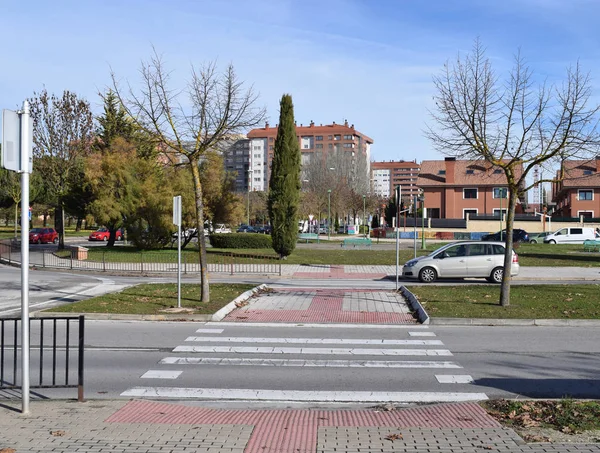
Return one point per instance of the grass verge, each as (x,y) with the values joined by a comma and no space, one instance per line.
(527,301)
(566,416)
(151,299)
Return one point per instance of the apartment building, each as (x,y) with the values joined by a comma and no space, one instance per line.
(578,193)
(385,176)
(454,188)
(313,139)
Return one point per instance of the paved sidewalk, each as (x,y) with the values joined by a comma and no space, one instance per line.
(157,427)
(325,306)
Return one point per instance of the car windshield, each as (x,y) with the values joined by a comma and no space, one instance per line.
(35,231)
(101,230)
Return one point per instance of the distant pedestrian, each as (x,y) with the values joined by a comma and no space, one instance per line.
(597,232)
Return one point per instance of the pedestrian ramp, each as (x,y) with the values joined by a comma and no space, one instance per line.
(404,364)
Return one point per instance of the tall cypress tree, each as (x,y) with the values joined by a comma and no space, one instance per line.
(284,184)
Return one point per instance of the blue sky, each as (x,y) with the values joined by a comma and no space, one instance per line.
(368,61)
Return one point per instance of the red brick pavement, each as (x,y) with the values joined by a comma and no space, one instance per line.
(295,430)
(338,272)
(326,307)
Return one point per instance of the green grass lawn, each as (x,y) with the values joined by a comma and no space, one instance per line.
(151,299)
(529,255)
(526,301)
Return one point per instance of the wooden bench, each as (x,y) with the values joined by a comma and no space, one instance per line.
(357,242)
(591,245)
(308,237)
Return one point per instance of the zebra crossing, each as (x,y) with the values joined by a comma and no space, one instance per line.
(403,364)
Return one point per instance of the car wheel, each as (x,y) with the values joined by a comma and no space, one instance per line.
(496,275)
(39,241)
(105,238)
(552,241)
(533,241)
(427,274)
(55,241)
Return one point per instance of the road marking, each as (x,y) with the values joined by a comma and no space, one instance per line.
(158,374)
(328,326)
(315,341)
(453,379)
(338,351)
(209,330)
(421,334)
(297,395)
(305,363)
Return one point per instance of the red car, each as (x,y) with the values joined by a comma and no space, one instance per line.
(103,235)
(43,236)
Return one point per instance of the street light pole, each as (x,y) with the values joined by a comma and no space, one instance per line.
(329,215)
(249,188)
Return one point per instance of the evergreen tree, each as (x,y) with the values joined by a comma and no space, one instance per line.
(284,185)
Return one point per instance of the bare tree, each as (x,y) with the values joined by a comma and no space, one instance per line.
(191,121)
(515,125)
(63,130)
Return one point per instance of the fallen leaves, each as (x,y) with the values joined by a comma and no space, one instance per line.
(392,437)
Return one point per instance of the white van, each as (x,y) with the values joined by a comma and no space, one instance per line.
(571,235)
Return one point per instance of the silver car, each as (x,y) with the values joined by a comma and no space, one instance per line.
(464,259)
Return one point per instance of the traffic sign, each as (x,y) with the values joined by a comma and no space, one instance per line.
(12,153)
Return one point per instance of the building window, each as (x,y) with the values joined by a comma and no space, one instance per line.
(319,137)
(442,172)
(469,193)
(348,145)
(500,192)
(497,171)
(319,145)
(330,146)
(585,215)
(271,139)
(337,137)
(497,212)
(586,194)
(330,137)
(587,172)
(348,137)
(470,172)
(469,212)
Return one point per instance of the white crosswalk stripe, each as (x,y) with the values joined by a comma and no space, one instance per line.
(213,354)
(305,363)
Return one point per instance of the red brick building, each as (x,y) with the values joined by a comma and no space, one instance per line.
(385,176)
(454,188)
(578,194)
(312,139)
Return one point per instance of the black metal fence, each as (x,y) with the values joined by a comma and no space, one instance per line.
(55,354)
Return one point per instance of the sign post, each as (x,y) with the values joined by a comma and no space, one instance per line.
(177,221)
(17,155)
(398,193)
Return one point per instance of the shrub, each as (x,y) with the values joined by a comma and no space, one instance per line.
(241,241)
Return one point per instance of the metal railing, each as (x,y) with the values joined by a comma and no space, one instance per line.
(142,262)
(55,364)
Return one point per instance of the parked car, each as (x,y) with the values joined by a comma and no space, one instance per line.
(265,229)
(535,238)
(571,235)
(518,236)
(222,228)
(43,236)
(323,229)
(103,234)
(246,229)
(464,259)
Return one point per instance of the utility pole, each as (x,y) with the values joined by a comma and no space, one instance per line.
(329,215)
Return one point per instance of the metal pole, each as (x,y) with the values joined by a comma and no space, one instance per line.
(415,223)
(25,145)
(249,188)
(423,223)
(329,215)
(179,263)
(501,195)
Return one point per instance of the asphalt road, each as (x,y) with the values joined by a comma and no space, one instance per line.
(503,362)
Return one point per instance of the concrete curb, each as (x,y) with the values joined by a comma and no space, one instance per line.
(515,322)
(415,305)
(219,315)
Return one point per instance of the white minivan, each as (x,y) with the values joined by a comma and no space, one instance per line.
(571,235)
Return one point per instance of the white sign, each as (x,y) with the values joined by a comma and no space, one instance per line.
(13,158)
(177,210)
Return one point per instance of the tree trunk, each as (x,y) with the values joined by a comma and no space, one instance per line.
(45,222)
(79,224)
(510,215)
(59,222)
(16,218)
(204,293)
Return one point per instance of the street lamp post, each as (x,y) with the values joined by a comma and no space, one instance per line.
(249,188)
(329,214)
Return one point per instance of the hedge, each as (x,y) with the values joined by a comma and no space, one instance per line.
(241,241)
